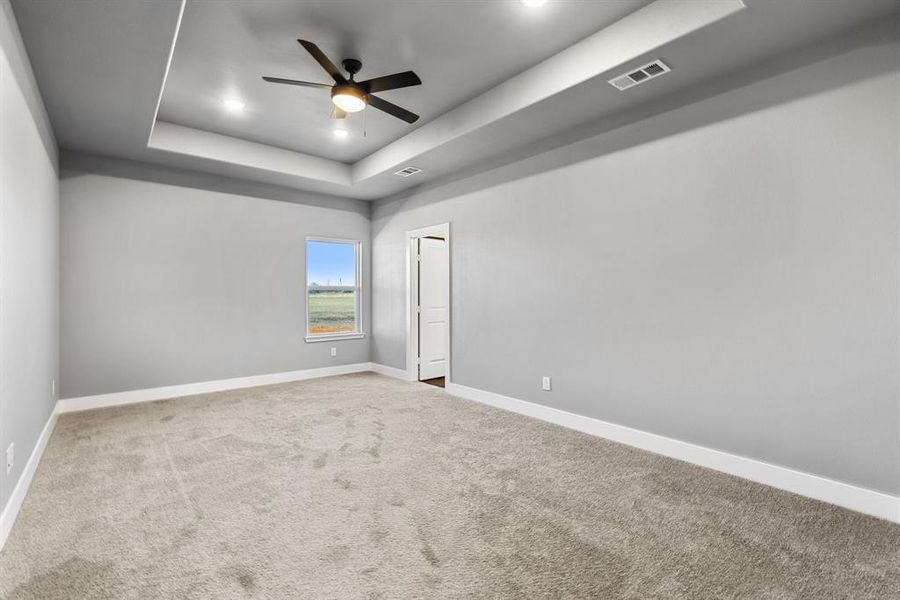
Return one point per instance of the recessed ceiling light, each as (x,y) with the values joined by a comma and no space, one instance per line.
(233,105)
(341,133)
(534,3)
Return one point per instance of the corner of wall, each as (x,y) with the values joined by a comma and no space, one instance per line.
(14,47)
(29,188)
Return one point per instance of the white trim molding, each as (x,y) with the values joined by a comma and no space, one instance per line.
(14,504)
(327,337)
(162,87)
(391,372)
(190,389)
(870,502)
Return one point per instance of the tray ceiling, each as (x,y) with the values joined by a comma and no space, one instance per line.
(145,80)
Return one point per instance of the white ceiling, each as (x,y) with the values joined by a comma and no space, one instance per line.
(459,49)
(102,69)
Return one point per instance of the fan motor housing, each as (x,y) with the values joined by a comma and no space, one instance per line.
(351,65)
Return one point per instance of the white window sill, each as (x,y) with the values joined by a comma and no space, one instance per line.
(331,337)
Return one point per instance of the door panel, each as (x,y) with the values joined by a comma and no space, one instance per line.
(434,283)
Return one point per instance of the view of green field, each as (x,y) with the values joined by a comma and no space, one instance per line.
(331,310)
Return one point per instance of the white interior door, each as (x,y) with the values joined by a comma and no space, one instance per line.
(434,283)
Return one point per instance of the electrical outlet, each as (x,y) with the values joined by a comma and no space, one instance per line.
(545,384)
(53,388)
(10,457)
(334,351)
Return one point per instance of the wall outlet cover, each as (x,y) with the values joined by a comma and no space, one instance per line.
(10,457)
(545,384)
(334,351)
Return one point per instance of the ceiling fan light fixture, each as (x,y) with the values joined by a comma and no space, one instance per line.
(348,98)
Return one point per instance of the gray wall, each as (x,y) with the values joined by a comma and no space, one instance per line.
(725,272)
(29,251)
(167,284)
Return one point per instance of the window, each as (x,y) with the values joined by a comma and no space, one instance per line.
(333,297)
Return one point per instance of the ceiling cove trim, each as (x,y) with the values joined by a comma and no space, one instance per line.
(639,33)
(162,87)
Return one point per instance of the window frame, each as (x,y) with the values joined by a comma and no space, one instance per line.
(358,287)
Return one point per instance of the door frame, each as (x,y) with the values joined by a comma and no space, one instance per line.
(412,296)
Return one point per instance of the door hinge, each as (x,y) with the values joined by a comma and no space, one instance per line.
(419,310)
(418,258)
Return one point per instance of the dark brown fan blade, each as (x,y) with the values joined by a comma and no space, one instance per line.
(324,86)
(390,82)
(323,60)
(392,109)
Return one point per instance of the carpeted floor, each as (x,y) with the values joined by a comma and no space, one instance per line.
(362,486)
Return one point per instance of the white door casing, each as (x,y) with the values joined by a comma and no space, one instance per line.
(434,284)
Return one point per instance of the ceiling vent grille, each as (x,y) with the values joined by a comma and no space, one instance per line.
(408,171)
(639,75)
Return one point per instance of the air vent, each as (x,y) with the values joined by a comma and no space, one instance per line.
(408,171)
(638,76)
(642,75)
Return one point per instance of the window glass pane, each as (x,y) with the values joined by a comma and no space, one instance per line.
(331,287)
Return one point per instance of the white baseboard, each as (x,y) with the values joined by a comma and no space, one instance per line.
(855,498)
(390,371)
(11,510)
(190,389)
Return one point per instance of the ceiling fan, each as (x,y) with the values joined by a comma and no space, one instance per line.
(351,96)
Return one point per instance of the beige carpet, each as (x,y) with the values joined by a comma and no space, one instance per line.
(366,487)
